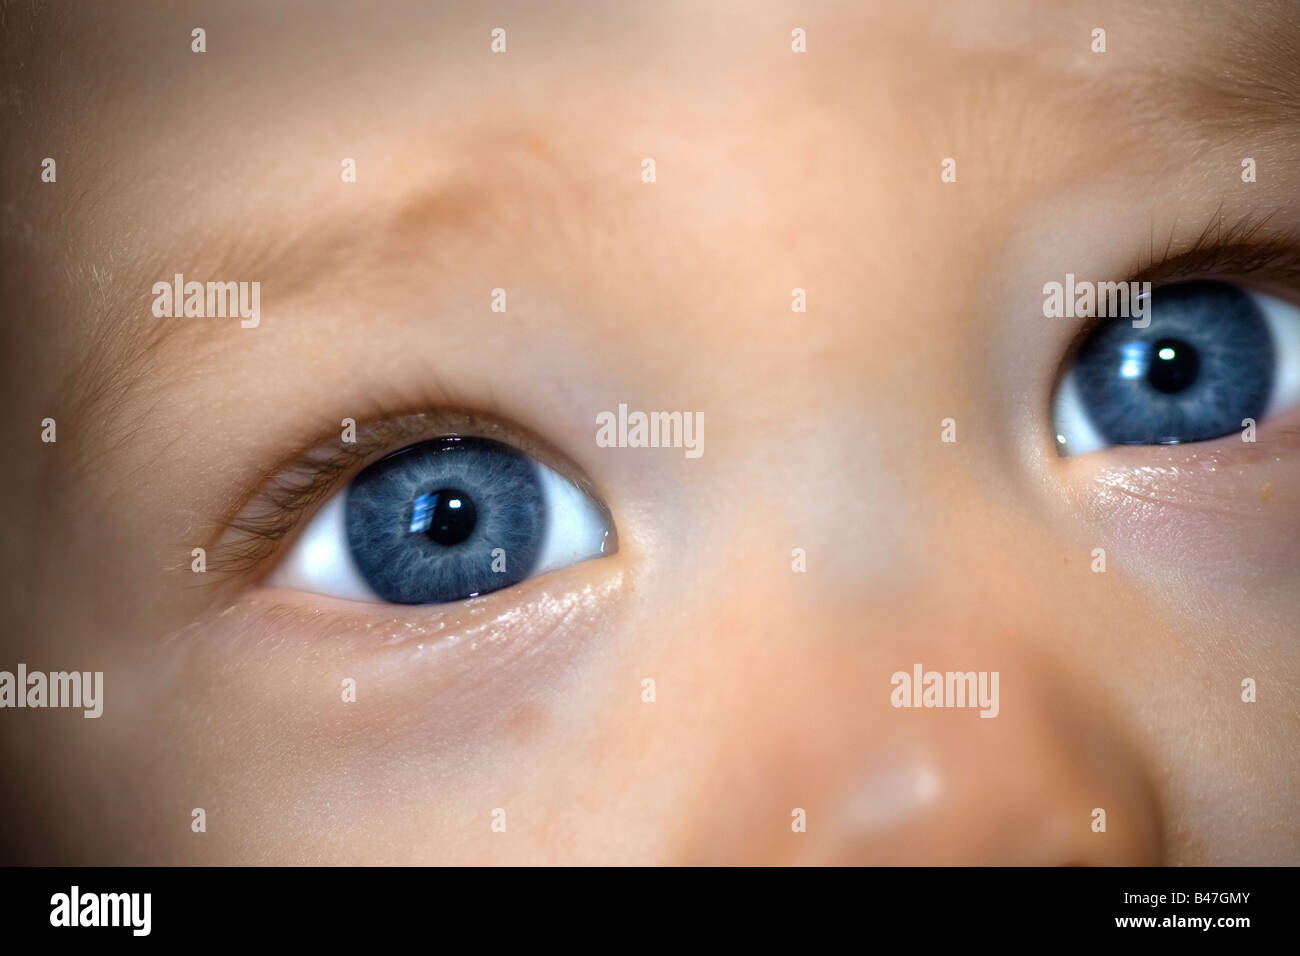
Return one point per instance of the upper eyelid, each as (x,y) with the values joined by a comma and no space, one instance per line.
(280,505)
(1277,262)
(1236,252)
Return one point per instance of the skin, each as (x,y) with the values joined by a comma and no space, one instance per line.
(522,171)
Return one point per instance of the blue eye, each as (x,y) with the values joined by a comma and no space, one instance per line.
(1212,355)
(445,520)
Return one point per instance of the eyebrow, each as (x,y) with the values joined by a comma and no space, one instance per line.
(1247,81)
(1220,71)
(505,184)
(502,189)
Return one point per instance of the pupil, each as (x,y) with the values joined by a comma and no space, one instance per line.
(1174,366)
(447,516)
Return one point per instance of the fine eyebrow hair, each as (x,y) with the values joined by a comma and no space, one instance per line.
(506,186)
(502,189)
(1193,71)
(1249,81)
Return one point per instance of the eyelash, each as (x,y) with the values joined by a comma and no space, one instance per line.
(246,541)
(1237,250)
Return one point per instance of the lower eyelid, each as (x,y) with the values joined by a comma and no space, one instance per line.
(353,626)
(1211,521)
(424,677)
(1228,477)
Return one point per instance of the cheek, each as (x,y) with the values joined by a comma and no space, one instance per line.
(1199,595)
(303,716)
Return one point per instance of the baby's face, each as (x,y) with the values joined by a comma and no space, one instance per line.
(831,262)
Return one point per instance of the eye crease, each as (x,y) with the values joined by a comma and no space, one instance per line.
(1214,355)
(442,520)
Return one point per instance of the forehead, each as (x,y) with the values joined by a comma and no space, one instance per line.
(228,161)
(415,90)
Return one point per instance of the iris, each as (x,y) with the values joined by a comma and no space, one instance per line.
(1203,364)
(445,520)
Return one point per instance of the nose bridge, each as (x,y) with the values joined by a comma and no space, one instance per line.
(837,517)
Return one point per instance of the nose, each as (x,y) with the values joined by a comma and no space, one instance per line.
(1050,780)
(825,766)
(797,746)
